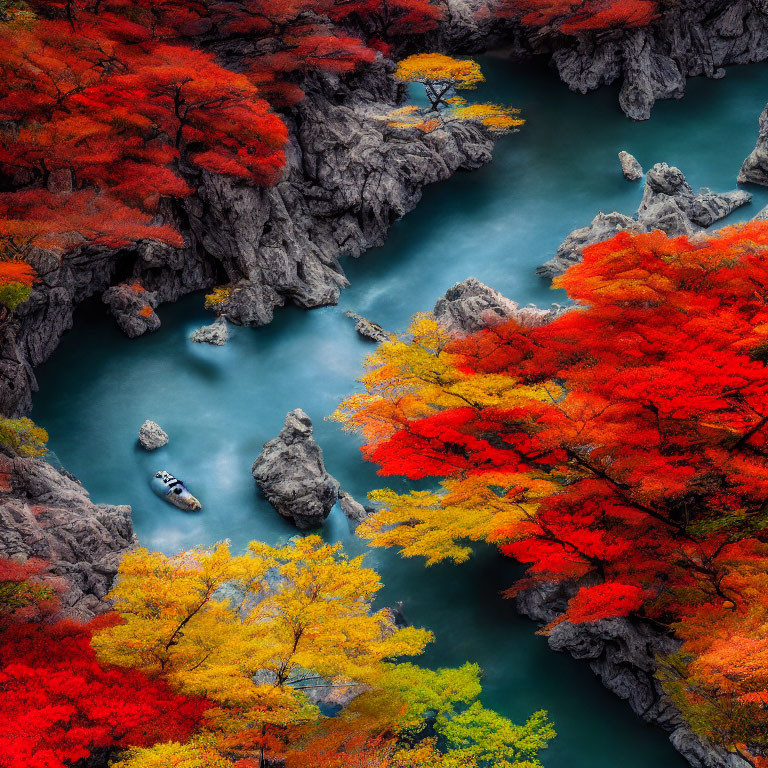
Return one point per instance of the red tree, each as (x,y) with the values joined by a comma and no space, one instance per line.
(59,704)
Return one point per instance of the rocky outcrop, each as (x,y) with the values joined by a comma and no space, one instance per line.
(352,508)
(367,329)
(470,306)
(45,513)
(630,167)
(133,308)
(291,474)
(349,175)
(669,204)
(217,333)
(755,168)
(690,38)
(622,653)
(152,436)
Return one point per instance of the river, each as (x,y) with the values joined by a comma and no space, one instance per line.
(219,405)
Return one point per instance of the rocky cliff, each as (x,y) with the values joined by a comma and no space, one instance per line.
(348,177)
(622,653)
(689,39)
(755,168)
(45,513)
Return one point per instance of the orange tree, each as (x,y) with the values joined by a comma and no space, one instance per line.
(623,446)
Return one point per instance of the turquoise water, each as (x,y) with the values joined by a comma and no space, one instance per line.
(219,405)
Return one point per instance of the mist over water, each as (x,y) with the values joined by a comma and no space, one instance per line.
(219,405)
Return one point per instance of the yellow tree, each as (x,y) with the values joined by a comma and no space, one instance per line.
(440,75)
(252,632)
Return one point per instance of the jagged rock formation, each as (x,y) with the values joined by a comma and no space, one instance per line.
(349,176)
(152,436)
(470,306)
(622,653)
(352,508)
(217,333)
(367,329)
(47,514)
(291,473)
(755,168)
(691,38)
(668,204)
(630,167)
(133,308)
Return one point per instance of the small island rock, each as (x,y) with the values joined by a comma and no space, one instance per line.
(368,329)
(630,167)
(291,473)
(152,436)
(669,204)
(352,508)
(217,333)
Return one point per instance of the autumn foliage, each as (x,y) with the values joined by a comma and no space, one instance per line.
(623,446)
(442,77)
(258,633)
(575,16)
(109,107)
(59,704)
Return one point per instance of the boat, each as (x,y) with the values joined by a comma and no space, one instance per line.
(170,488)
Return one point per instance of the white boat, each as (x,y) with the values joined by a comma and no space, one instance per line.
(167,487)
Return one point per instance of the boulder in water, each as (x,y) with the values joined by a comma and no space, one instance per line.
(152,436)
(217,333)
(133,308)
(368,329)
(352,508)
(471,306)
(630,167)
(291,473)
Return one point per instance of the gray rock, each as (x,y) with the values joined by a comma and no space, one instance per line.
(291,473)
(471,306)
(133,308)
(603,227)
(368,329)
(46,514)
(691,38)
(348,177)
(630,167)
(762,215)
(217,333)
(669,204)
(623,654)
(755,168)
(353,509)
(152,436)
